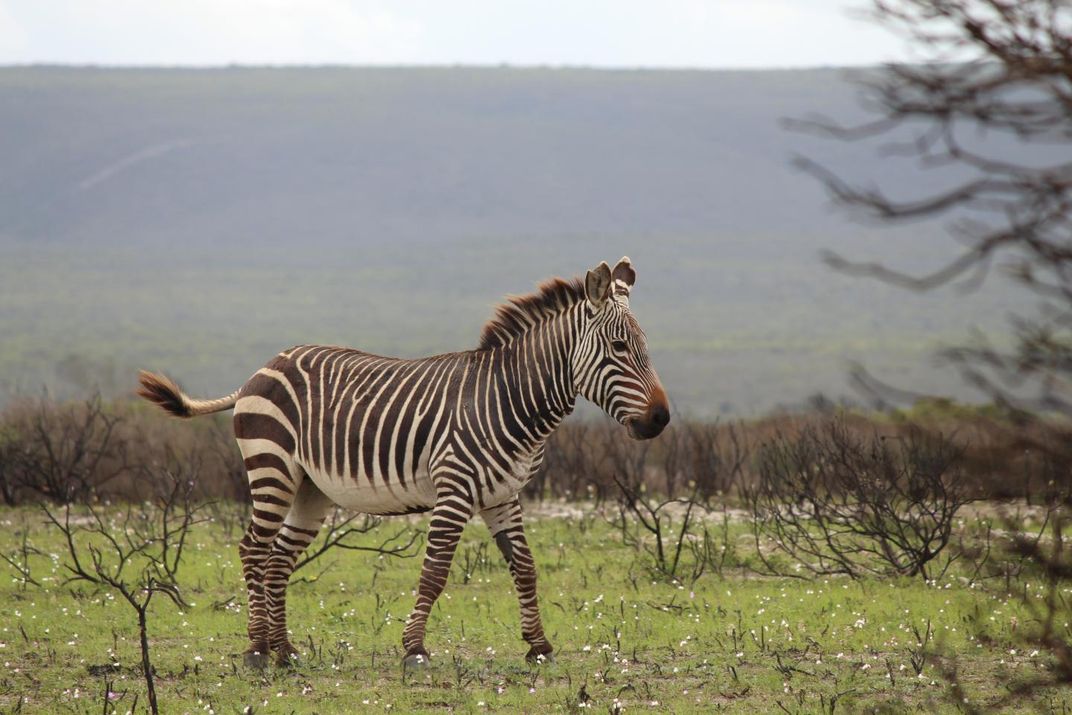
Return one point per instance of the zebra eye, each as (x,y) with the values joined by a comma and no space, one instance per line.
(619,346)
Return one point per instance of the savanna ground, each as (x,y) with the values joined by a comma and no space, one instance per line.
(732,640)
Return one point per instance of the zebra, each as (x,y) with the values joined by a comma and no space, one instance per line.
(457,434)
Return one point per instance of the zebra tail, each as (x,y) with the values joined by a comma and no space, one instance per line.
(162,390)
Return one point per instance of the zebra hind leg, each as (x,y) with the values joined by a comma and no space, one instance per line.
(272,488)
(505,524)
(453,509)
(253,550)
(299,530)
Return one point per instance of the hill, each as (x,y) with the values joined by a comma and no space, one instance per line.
(200,220)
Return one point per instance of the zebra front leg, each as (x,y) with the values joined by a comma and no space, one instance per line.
(505,524)
(299,530)
(452,511)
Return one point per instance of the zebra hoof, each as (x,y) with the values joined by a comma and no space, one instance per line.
(286,658)
(256,660)
(414,662)
(535,657)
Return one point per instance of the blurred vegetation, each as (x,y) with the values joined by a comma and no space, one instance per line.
(94,449)
(82,318)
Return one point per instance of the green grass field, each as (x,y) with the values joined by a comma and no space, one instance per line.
(734,642)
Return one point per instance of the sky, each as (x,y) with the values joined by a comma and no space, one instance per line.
(593,33)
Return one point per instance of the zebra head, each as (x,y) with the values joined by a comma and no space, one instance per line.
(611,364)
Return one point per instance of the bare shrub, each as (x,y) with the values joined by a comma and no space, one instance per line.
(574,463)
(9,446)
(19,560)
(341,531)
(68,452)
(1037,553)
(1050,612)
(584,458)
(839,504)
(678,537)
(656,516)
(63,453)
(158,442)
(136,552)
(713,458)
(652,527)
(91,450)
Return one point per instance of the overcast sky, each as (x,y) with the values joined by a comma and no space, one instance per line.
(600,33)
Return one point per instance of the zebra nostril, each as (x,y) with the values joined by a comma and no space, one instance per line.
(660,416)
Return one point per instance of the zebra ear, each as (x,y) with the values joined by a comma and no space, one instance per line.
(624,276)
(597,284)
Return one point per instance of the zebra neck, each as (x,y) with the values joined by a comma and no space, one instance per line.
(536,378)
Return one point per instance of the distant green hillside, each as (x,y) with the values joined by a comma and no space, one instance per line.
(199,221)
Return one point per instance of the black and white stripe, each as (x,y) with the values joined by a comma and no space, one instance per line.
(456,434)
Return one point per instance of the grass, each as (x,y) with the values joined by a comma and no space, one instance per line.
(732,643)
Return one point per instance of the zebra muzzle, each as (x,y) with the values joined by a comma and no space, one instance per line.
(650,425)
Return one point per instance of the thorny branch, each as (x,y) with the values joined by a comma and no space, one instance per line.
(991,100)
(837,504)
(343,526)
(137,554)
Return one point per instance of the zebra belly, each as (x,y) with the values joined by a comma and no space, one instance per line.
(362,495)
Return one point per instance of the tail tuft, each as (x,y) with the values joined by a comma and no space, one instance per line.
(162,390)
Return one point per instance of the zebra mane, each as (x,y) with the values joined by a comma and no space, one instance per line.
(520,313)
